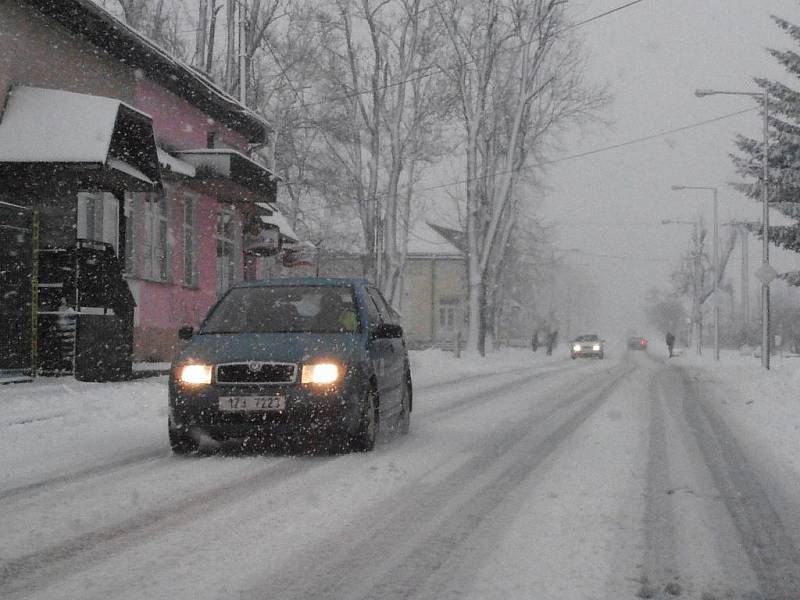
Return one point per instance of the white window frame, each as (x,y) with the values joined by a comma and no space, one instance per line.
(156,239)
(447,310)
(226,247)
(189,240)
(98,218)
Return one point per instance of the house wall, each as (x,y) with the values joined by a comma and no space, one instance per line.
(177,123)
(37,52)
(162,307)
(427,281)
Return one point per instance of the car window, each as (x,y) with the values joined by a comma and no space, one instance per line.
(277,309)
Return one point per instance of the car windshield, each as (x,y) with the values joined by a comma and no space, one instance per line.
(587,338)
(284,309)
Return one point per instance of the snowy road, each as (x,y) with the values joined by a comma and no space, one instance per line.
(589,479)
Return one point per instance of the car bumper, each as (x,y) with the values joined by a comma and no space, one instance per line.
(307,412)
(587,354)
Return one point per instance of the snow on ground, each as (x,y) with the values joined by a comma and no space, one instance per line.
(763,406)
(56,424)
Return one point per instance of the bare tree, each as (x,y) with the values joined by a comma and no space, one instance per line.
(517,76)
(694,278)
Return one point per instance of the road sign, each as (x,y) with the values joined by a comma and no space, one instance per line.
(766,273)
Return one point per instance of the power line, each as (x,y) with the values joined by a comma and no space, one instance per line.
(592,152)
(430,68)
(605,14)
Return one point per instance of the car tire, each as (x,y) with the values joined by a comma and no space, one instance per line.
(364,439)
(404,420)
(180,442)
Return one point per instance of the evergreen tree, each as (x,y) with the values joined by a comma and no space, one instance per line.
(784,153)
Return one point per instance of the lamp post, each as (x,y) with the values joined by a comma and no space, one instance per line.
(765,268)
(715,242)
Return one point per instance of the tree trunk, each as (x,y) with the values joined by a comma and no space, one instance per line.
(201,34)
(230,48)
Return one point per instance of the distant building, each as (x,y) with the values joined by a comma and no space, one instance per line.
(434,288)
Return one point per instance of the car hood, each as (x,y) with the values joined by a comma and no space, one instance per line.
(215,348)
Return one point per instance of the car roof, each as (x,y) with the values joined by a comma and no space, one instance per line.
(304,281)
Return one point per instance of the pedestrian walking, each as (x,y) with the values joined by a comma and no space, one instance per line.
(535,341)
(551,342)
(670,342)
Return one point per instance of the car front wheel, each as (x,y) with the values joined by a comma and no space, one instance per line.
(180,442)
(404,421)
(364,439)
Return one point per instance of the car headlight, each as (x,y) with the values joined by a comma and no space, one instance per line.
(596,348)
(576,348)
(195,374)
(321,373)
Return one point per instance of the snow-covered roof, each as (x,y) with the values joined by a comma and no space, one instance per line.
(41,125)
(174,164)
(423,240)
(277,219)
(129,169)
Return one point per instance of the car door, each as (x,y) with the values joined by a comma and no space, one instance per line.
(390,355)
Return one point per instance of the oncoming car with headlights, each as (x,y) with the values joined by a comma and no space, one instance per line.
(586,346)
(295,358)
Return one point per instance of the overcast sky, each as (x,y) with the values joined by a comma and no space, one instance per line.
(653,56)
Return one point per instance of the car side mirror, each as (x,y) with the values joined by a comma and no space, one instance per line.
(387,330)
(186,332)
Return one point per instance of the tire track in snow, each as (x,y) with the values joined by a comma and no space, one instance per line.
(772,553)
(94,471)
(151,455)
(660,565)
(426,523)
(17,574)
(41,568)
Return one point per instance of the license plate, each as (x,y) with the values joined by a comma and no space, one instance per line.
(251,403)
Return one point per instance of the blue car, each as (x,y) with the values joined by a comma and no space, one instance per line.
(296,358)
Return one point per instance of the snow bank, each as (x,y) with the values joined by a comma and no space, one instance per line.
(764,406)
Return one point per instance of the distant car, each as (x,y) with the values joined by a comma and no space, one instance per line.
(587,346)
(637,343)
(295,358)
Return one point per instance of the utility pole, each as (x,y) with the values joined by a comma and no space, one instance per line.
(745,283)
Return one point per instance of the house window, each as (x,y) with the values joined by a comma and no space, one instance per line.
(447,314)
(225,237)
(98,218)
(156,238)
(190,242)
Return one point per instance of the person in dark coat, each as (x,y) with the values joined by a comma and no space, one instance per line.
(535,341)
(670,342)
(551,342)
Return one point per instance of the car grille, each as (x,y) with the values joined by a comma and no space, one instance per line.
(257,372)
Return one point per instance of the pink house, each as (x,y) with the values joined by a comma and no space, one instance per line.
(174,192)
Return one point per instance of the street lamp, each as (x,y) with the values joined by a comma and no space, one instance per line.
(765,270)
(716,259)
